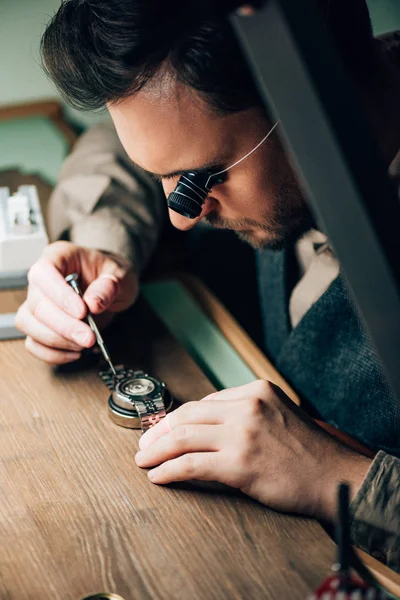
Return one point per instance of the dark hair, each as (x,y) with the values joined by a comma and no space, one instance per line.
(100,51)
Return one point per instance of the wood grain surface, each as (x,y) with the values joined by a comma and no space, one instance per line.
(77,516)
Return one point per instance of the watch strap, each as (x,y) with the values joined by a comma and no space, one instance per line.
(122,373)
(150,412)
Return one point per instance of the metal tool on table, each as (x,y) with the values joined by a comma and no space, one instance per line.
(73,279)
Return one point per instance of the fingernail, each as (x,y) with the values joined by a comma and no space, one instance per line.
(95,299)
(139,456)
(152,475)
(73,305)
(100,301)
(81,337)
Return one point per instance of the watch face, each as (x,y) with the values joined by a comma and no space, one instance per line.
(137,386)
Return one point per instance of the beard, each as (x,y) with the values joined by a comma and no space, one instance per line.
(279,229)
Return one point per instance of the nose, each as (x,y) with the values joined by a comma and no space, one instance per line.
(183,223)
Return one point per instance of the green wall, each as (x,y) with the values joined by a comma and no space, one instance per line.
(385,15)
(22,23)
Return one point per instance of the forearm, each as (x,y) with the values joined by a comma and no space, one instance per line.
(102,201)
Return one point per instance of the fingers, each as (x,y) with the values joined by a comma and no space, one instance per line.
(260,388)
(102,272)
(183,439)
(101,293)
(153,434)
(45,276)
(115,287)
(205,413)
(99,269)
(52,316)
(205,466)
(50,355)
(49,314)
(41,333)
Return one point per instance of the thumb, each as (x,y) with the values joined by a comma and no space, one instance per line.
(102,292)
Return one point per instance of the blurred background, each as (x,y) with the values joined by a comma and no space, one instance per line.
(22,23)
(36,135)
(22,80)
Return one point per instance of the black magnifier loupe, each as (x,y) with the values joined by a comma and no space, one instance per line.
(190,193)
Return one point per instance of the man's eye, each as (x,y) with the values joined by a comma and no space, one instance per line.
(218,179)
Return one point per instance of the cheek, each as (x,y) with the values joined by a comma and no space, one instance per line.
(242,195)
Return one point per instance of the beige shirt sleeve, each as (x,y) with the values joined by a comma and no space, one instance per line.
(102,201)
(376,511)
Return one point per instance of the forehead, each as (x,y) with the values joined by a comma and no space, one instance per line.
(170,127)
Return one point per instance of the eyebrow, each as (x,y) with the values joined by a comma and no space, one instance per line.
(204,170)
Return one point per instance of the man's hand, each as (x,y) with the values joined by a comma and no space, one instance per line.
(51,317)
(255,439)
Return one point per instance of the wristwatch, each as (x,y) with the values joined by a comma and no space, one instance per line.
(137,400)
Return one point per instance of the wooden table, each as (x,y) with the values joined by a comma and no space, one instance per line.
(77,516)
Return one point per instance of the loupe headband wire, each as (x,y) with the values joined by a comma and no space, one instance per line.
(243,157)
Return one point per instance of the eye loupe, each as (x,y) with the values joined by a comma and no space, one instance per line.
(192,189)
(190,193)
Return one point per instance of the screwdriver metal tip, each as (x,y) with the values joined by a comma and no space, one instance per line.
(114,372)
(72,279)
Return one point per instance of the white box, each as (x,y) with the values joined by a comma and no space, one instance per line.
(22,232)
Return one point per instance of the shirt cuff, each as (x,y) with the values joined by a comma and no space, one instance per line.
(375,512)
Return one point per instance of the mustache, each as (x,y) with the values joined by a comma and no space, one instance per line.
(232,224)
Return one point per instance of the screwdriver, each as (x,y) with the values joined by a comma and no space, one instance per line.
(72,279)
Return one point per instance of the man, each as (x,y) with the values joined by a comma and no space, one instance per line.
(181,100)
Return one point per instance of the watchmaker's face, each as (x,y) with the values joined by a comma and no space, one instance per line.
(167,129)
